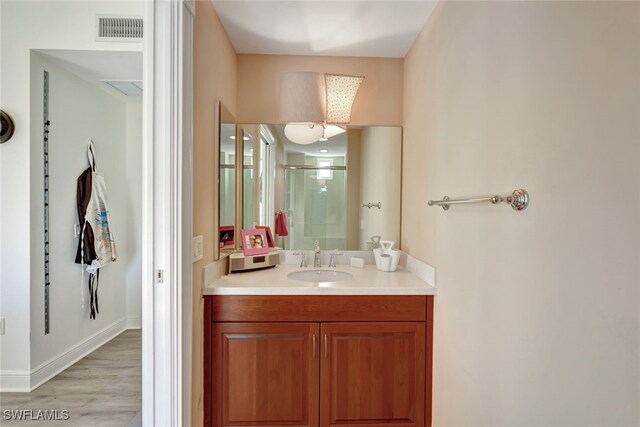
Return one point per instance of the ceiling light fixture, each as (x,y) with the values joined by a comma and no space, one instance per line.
(310,103)
(324,150)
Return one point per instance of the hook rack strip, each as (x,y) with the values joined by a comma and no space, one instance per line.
(47,123)
(519,200)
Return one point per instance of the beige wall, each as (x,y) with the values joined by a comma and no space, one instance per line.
(379,100)
(537,313)
(215,69)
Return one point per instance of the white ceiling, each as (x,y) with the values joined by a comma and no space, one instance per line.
(327,28)
(95,66)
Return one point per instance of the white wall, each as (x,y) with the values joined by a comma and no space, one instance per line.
(537,313)
(381,160)
(80,111)
(133,239)
(24,26)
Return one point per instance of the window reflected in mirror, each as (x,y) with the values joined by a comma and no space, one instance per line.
(247,179)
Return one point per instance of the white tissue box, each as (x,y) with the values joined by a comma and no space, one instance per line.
(357,262)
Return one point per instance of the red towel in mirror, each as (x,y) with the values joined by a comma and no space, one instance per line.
(281,224)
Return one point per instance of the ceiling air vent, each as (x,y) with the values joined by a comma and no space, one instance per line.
(126,87)
(119,28)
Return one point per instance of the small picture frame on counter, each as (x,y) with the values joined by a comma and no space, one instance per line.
(226,235)
(267,229)
(254,241)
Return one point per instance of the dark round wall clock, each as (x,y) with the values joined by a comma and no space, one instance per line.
(6,128)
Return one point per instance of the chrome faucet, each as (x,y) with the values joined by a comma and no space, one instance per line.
(303,257)
(317,261)
(332,259)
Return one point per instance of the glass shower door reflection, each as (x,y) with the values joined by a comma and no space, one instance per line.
(316,208)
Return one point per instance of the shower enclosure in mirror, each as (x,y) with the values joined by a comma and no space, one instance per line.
(323,189)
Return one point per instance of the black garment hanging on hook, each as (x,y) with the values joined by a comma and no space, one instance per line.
(96,246)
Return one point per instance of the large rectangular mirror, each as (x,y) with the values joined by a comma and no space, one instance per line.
(342,191)
(225,240)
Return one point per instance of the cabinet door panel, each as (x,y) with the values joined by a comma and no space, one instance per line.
(373,374)
(267,374)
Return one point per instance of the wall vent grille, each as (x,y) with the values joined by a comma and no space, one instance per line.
(119,28)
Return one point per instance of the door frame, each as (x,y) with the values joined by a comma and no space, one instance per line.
(167,212)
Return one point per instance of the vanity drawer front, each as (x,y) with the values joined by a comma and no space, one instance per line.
(317,308)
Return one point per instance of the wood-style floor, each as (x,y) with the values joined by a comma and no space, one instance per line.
(102,389)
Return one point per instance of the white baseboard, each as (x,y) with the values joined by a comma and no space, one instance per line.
(11,381)
(134,323)
(26,381)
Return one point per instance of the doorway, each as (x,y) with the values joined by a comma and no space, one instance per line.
(85,342)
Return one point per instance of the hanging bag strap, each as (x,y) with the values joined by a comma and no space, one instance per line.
(91,155)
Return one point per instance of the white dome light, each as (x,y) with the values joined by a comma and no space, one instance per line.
(303,133)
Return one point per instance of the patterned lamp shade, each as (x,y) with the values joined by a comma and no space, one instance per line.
(341,92)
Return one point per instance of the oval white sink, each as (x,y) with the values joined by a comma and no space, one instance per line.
(320,275)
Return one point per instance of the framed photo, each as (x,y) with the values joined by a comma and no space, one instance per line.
(226,235)
(267,229)
(254,241)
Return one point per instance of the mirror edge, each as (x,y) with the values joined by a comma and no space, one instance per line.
(219,108)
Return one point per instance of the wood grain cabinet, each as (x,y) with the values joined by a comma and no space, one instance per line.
(372,374)
(332,368)
(268,374)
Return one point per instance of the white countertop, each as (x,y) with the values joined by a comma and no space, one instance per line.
(365,281)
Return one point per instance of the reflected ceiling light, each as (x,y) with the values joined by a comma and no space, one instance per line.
(324,150)
(311,102)
(332,130)
(303,133)
(232,137)
(323,139)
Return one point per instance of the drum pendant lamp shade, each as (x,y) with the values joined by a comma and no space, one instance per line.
(302,98)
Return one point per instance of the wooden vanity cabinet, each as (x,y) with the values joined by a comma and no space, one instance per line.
(267,374)
(344,361)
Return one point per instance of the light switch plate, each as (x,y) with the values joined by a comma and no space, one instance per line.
(1,325)
(197,248)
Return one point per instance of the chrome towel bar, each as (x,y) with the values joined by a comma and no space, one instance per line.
(519,200)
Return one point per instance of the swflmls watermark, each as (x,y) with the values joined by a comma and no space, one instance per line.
(35,414)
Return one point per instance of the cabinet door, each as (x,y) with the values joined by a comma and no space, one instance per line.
(372,374)
(266,374)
